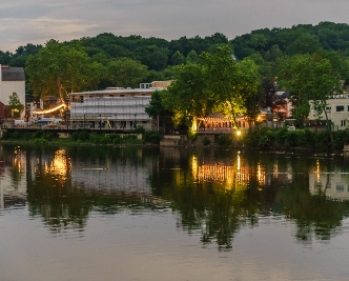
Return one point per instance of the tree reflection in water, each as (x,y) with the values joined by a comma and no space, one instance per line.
(215,193)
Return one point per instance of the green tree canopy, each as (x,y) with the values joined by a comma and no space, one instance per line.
(15,105)
(234,83)
(217,83)
(306,78)
(124,72)
(60,68)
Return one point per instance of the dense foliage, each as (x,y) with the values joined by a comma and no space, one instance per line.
(217,83)
(307,61)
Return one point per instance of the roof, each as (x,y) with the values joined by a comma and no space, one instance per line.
(9,73)
(114,91)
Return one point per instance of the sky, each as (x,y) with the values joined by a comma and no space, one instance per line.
(37,21)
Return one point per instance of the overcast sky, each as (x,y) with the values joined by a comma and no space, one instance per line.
(36,21)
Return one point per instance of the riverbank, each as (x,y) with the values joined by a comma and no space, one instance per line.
(278,141)
(82,137)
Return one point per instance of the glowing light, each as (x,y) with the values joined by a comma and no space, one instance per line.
(59,166)
(317,171)
(194,167)
(231,176)
(261,174)
(260,118)
(238,133)
(51,110)
(17,160)
(194,126)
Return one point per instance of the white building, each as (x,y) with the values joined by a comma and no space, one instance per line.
(114,108)
(337,109)
(12,80)
(334,185)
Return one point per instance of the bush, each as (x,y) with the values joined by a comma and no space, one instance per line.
(99,138)
(340,138)
(80,135)
(117,139)
(152,137)
(131,139)
(49,135)
(206,141)
(267,138)
(223,140)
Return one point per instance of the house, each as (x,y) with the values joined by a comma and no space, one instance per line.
(334,185)
(337,109)
(281,107)
(114,108)
(12,80)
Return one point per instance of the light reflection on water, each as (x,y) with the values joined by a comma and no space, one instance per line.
(139,214)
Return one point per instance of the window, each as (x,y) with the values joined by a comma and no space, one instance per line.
(328,109)
(339,108)
(343,123)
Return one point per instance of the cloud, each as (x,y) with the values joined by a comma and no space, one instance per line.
(18,31)
(36,21)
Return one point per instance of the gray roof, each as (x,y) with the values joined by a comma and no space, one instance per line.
(9,73)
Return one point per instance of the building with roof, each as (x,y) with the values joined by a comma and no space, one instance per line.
(12,80)
(114,108)
(337,110)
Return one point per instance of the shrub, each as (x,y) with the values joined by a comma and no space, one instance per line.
(80,135)
(206,141)
(224,140)
(152,137)
(131,139)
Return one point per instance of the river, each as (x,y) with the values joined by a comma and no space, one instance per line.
(102,213)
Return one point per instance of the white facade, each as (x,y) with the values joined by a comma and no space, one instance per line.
(113,108)
(334,185)
(11,81)
(337,110)
(114,177)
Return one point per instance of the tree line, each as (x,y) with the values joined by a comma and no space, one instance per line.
(211,73)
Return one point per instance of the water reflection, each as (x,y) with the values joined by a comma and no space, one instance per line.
(213,193)
(332,184)
(12,178)
(59,166)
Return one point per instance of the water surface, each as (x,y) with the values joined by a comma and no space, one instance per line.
(166,214)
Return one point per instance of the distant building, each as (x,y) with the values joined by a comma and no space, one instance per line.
(114,108)
(337,109)
(12,80)
(281,106)
(334,185)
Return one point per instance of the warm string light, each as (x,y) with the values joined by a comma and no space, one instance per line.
(51,110)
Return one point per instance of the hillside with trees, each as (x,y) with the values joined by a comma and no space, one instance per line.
(211,73)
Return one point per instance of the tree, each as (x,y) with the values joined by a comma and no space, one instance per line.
(125,72)
(153,56)
(309,78)
(60,68)
(218,83)
(234,83)
(192,57)
(177,58)
(187,97)
(15,105)
(157,110)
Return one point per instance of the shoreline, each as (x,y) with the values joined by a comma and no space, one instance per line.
(296,151)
